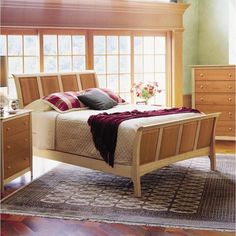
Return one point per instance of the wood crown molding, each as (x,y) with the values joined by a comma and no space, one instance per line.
(131,6)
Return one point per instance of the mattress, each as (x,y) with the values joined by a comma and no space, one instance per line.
(70,133)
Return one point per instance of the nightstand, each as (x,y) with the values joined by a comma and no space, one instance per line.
(15,146)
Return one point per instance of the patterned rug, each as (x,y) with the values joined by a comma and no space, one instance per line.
(185,194)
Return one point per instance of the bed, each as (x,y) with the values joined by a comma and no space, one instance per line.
(153,143)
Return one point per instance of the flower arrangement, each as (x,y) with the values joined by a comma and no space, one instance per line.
(145,90)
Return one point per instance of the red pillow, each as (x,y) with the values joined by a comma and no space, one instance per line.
(64,101)
(112,95)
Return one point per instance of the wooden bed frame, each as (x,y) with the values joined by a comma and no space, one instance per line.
(155,145)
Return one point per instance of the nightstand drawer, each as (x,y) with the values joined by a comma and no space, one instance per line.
(215,74)
(15,126)
(213,86)
(16,163)
(16,143)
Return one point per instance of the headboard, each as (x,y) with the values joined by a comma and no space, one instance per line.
(31,87)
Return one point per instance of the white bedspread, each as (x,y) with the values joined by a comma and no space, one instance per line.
(69,132)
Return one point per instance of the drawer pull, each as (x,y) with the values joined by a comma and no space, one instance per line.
(8,147)
(229,99)
(9,167)
(201,75)
(230,114)
(8,129)
(25,123)
(230,129)
(230,75)
(25,158)
(26,140)
(201,86)
(202,99)
(230,86)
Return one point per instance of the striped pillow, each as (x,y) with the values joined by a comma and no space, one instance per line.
(64,101)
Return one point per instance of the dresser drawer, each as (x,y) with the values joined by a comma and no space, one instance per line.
(215,74)
(215,98)
(15,126)
(227,112)
(16,143)
(225,128)
(16,162)
(213,86)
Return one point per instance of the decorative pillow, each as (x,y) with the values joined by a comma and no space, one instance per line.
(38,105)
(64,101)
(112,95)
(97,99)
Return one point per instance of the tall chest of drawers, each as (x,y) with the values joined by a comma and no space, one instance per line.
(214,91)
(15,146)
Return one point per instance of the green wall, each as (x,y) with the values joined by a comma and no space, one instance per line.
(206,36)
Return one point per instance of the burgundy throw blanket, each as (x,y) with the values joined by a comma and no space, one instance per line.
(104,127)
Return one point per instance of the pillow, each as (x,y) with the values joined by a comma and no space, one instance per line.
(96,99)
(112,95)
(38,105)
(64,101)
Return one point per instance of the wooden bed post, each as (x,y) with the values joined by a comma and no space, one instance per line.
(212,154)
(135,174)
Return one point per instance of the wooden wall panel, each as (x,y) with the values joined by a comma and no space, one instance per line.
(169,141)
(29,89)
(69,83)
(50,84)
(148,146)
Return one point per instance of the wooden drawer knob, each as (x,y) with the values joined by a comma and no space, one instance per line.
(9,167)
(26,140)
(202,99)
(201,75)
(230,75)
(201,86)
(230,129)
(229,99)
(25,123)
(230,113)
(25,158)
(8,147)
(8,128)
(229,86)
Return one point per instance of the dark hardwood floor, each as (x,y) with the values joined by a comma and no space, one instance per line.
(13,225)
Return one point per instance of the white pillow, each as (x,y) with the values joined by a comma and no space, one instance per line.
(38,105)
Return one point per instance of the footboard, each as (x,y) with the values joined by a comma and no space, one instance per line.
(160,145)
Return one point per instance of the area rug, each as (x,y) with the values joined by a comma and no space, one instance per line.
(185,194)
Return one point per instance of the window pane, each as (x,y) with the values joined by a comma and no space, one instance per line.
(99,45)
(160,65)
(112,64)
(31,45)
(31,65)
(160,45)
(50,63)
(15,65)
(125,83)
(65,63)
(138,45)
(112,44)
(64,45)
(124,64)
(138,78)
(148,45)
(50,44)
(100,64)
(14,45)
(124,44)
(12,89)
(161,80)
(3,47)
(149,77)
(160,98)
(102,81)
(148,63)
(112,82)
(78,63)
(138,64)
(78,44)
(126,96)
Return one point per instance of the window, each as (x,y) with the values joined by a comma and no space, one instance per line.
(112,59)
(64,53)
(149,63)
(23,56)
